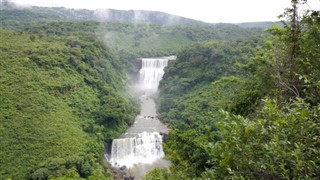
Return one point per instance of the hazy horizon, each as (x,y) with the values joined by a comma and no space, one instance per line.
(228,11)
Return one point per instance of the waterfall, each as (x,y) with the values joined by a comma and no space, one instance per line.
(140,148)
(144,148)
(152,71)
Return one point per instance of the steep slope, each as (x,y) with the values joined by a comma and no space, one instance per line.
(61,97)
(62,89)
(186,96)
(242,110)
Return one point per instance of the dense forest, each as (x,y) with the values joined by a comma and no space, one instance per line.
(246,109)
(62,96)
(241,103)
(127,39)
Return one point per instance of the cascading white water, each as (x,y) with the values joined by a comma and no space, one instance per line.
(140,148)
(152,72)
(144,148)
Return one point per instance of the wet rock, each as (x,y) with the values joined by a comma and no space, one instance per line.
(164,136)
(128,178)
(119,174)
(123,168)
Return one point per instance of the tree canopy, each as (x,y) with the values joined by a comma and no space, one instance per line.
(62,97)
(246,110)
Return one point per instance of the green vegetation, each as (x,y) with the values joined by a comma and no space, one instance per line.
(141,40)
(157,40)
(239,105)
(62,97)
(246,109)
(128,40)
(62,86)
(187,83)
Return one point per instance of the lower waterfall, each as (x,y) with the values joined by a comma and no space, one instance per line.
(145,147)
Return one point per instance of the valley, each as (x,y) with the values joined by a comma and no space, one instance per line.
(136,94)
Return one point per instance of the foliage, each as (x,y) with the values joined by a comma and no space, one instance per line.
(277,144)
(259,119)
(295,59)
(157,174)
(55,91)
(185,90)
(62,88)
(237,108)
(129,40)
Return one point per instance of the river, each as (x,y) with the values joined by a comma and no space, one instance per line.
(140,149)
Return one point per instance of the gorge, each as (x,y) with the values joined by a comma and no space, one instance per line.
(239,101)
(140,148)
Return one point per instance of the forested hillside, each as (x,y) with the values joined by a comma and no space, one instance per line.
(127,39)
(155,40)
(12,13)
(63,86)
(130,38)
(62,97)
(241,103)
(246,109)
(187,83)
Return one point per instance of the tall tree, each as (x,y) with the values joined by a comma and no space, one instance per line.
(291,66)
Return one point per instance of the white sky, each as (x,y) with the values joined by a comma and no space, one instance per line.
(228,11)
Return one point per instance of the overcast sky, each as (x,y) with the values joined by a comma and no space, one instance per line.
(228,11)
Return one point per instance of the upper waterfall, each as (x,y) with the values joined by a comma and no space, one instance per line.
(152,71)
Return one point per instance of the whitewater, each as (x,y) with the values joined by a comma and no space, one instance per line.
(140,148)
